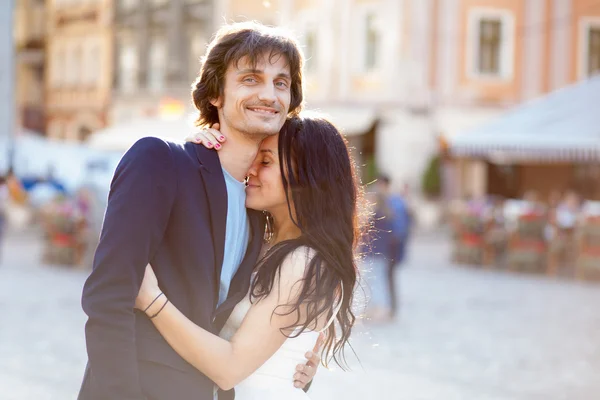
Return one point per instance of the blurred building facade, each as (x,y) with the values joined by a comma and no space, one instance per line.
(492,55)
(78,74)
(408,72)
(30,41)
(395,75)
(158,45)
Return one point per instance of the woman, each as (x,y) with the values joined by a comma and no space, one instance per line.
(304,181)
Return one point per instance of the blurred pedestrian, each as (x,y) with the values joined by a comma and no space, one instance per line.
(561,232)
(397,211)
(376,254)
(3,205)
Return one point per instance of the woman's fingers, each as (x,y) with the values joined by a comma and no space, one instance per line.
(196,137)
(214,130)
(209,137)
(203,137)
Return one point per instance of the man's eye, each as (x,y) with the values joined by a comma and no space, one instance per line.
(250,80)
(265,162)
(282,84)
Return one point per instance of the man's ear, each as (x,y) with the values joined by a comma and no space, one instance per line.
(216,102)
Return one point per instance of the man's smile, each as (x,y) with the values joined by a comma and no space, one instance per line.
(264,110)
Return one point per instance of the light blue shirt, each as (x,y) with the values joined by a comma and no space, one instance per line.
(237,233)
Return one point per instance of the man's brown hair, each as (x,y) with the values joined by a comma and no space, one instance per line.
(233,42)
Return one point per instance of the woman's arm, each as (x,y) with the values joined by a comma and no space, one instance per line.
(257,339)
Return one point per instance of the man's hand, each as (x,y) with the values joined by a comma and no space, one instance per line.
(306,372)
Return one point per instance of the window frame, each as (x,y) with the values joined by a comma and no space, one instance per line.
(506,48)
(308,22)
(585,26)
(126,41)
(161,85)
(360,22)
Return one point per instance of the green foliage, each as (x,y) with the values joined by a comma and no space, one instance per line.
(432,181)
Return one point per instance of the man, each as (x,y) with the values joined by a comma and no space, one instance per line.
(181,209)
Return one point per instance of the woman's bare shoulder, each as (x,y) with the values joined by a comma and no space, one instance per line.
(295,264)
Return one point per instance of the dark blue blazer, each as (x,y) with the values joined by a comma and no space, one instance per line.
(167,206)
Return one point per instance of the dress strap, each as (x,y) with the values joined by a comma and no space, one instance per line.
(335,312)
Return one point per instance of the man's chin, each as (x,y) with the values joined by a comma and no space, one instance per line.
(265,130)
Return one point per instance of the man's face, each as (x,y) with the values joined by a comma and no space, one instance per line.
(255,100)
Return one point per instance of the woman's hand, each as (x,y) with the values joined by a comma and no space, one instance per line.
(148,291)
(209,137)
(306,372)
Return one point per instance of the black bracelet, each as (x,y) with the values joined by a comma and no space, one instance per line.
(153,301)
(158,312)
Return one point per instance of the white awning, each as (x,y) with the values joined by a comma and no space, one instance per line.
(562,126)
(350,120)
(122,136)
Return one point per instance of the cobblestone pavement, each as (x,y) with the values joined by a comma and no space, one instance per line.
(462,334)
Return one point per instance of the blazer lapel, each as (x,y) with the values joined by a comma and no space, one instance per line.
(216,193)
(241,281)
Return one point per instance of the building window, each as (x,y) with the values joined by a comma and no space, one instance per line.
(92,64)
(491,44)
(593,59)
(371,42)
(490,39)
(197,47)
(58,66)
(74,66)
(310,49)
(128,65)
(158,3)
(127,5)
(157,63)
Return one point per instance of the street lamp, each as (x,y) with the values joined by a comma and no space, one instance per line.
(7,66)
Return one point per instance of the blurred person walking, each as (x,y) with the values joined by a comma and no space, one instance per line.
(385,250)
(375,260)
(397,210)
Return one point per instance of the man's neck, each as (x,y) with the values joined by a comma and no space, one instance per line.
(237,154)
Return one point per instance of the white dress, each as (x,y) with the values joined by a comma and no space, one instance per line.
(274,379)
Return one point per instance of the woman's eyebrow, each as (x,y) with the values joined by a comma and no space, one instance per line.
(268,151)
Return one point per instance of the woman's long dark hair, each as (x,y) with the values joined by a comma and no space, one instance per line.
(319,175)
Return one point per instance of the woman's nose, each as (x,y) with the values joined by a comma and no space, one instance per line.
(252,170)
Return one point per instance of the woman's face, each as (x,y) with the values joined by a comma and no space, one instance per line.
(265,187)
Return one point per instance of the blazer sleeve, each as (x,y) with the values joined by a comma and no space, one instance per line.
(141,196)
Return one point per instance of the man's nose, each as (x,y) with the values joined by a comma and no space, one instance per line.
(267,93)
